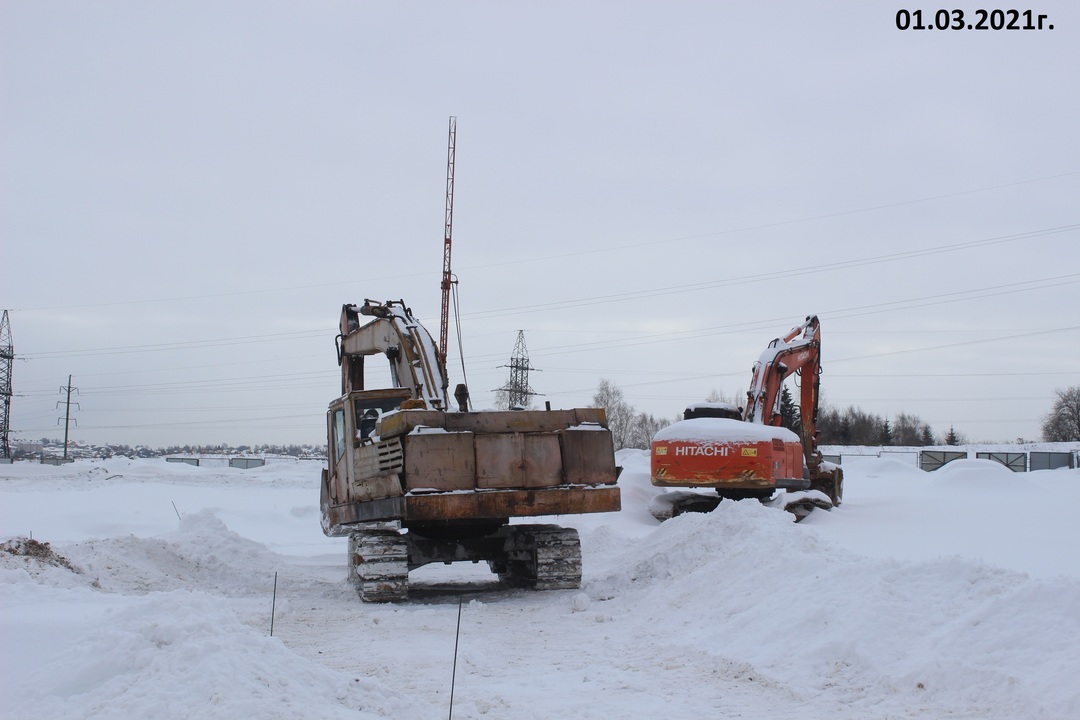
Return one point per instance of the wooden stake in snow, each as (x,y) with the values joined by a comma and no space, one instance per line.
(273,606)
(453,675)
(176,511)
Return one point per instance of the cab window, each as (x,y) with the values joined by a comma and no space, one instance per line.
(339,433)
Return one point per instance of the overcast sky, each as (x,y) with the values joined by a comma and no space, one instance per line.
(651,191)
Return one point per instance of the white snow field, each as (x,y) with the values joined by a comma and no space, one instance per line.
(952,594)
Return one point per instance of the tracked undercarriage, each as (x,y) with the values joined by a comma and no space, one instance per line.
(540,557)
(824,492)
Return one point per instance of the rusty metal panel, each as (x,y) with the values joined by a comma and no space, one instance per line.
(375,488)
(439,461)
(339,517)
(381,458)
(375,472)
(402,422)
(511,503)
(500,460)
(518,460)
(542,460)
(512,421)
(597,416)
(588,457)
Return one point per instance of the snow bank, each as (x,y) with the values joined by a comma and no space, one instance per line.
(792,608)
(175,654)
(142,627)
(942,594)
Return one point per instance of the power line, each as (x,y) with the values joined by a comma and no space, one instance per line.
(708,376)
(761,277)
(603,250)
(183,345)
(764,226)
(620,297)
(856,311)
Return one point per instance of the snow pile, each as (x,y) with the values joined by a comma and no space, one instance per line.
(722,430)
(173,654)
(839,629)
(134,627)
(931,595)
(203,554)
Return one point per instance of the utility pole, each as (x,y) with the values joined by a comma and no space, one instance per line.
(67,412)
(7,358)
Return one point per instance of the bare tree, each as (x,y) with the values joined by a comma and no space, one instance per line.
(738,399)
(909,430)
(502,399)
(1062,423)
(620,414)
(645,426)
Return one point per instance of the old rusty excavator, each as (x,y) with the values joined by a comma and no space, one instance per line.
(411,481)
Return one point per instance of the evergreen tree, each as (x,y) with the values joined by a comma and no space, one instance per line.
(885,437)
(789,412)
(845,431)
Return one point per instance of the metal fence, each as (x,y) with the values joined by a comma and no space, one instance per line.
(1017,462)
(1052,460)
(930,460)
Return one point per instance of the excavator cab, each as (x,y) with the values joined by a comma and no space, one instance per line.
(713,410)
(370,405)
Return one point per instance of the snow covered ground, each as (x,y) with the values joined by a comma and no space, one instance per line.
(953,594)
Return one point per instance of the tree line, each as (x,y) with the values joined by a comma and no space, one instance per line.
(836,425)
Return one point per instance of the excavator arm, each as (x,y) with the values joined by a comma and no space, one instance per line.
(797,352)
(415,362)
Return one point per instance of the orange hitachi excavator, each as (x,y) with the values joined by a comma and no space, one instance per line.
(745,453)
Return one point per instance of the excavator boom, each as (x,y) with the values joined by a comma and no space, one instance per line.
(415,363)
(798,352)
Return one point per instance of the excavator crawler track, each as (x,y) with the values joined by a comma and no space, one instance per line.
(379,560)
(544,557)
